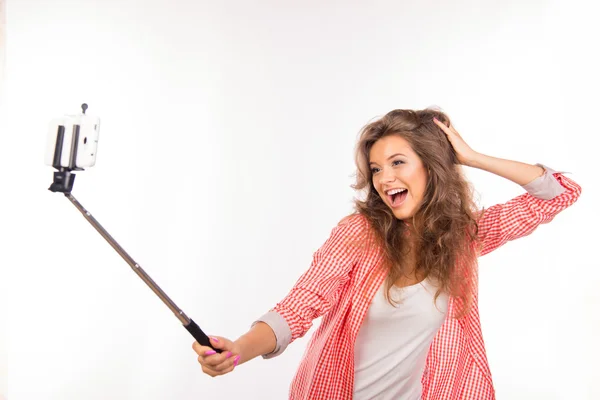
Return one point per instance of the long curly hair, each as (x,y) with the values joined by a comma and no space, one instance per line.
(443,230)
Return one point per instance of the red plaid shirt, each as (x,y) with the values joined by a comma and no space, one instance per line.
(343,279)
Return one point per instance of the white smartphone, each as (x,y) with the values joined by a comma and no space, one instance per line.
(72,142)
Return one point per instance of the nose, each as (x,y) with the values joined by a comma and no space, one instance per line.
(386,176)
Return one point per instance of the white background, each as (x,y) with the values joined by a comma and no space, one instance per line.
(225,159)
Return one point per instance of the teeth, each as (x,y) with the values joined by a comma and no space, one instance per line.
(394,191)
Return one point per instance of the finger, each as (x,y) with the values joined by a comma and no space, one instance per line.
(448,130)
(221,369)
(228,370)
(218,342)
(210,358)
(214,359)
(215,343)
(214,373)
(209,371)
(199,349)
(453,130)
(441,125)
(228,365)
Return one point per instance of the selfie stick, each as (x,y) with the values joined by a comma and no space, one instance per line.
(63,182)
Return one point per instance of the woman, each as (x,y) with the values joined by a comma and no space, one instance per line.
(396,282)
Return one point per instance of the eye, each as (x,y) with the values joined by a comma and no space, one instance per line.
(374,170)
(397,162)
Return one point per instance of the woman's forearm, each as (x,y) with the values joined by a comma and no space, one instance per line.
(518,172)
(259,340)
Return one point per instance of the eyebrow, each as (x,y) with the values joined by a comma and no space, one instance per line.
(390,157)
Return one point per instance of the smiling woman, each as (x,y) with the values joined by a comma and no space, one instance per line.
(407,166)
(396,282)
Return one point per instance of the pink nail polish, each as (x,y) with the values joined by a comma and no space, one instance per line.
(235,362)
(228,354)
(214,338)
(210,353)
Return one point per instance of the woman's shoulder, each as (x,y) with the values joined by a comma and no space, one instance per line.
(355,220)
(355,234)
(355,228)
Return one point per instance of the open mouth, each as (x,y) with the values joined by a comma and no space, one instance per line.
(397,196)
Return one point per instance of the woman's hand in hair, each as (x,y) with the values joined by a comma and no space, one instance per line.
(465,154)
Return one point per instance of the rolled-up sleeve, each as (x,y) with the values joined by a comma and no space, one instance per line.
(546,197)
(281,329)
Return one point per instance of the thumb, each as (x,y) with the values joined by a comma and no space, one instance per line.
(221,343)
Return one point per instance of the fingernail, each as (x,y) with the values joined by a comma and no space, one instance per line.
(210,353)
(214,338)
(228,354)
(235,362)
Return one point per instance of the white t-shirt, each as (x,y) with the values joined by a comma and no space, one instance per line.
(393,342)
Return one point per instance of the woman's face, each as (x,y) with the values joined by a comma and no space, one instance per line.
(399,175)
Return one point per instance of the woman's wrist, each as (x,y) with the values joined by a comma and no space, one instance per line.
(475,160)
(259,340)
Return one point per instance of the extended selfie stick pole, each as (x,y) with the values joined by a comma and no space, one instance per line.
(188,323)
(63,182)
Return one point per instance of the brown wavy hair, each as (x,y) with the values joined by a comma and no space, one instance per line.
(443,231)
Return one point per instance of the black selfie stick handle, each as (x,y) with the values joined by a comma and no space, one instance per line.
(200,336)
